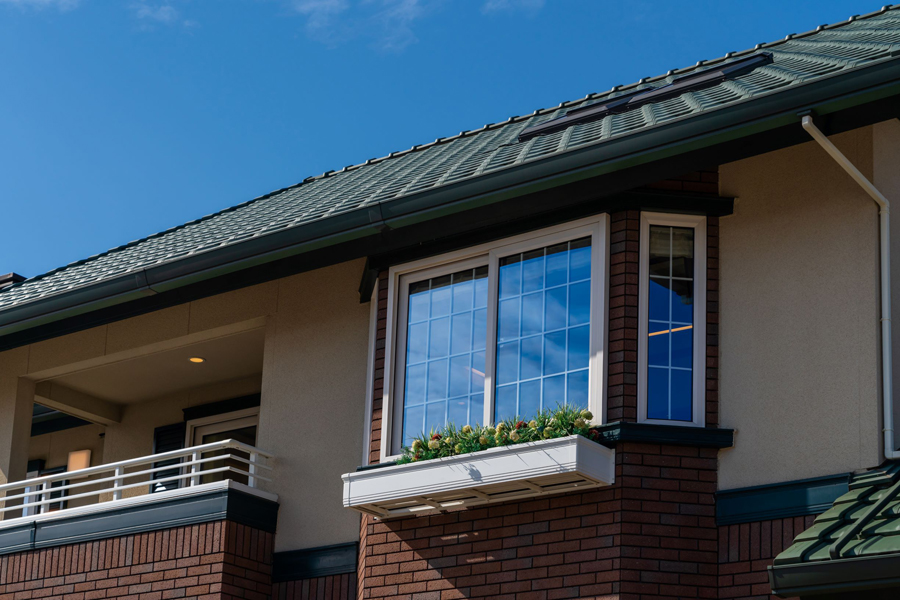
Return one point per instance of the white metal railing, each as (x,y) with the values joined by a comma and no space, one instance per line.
(228,459)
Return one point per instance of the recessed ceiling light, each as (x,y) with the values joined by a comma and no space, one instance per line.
(197,359)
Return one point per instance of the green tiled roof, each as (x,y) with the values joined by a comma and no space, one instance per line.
(798,60)
(853,546)
(880,525)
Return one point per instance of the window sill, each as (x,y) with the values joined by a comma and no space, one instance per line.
(672,435)
(495,475)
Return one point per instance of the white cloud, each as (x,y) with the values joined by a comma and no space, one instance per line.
(163,13)
(527,6)
(158,12)
(60,4)
(387,23)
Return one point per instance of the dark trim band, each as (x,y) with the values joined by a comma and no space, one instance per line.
(219,505)
(315,562)
(671,435)
(780,500)
(221,407)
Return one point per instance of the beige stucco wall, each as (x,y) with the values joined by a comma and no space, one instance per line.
(799,330)
(313,398)
(313,388)
(886,177)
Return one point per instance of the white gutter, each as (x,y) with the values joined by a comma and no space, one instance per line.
(884,220)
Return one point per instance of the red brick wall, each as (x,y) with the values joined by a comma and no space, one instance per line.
(746,550)
(652,534)
(712,321)
(624,266)
(211,561)
(333,587)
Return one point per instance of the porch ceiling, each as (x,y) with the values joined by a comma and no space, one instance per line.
(164,373)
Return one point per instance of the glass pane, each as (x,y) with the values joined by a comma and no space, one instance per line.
(417,344)
(529,398)
(458,410)
(511,276)
(440,296)
(682,252)
(579,347)
(508,321)
(476,409)
(682,348)
(415,384)
(531,357)
(579,303)
(435,415)
(682,387)
(682,298)
(543,331)
(461,333)
(446,336)
(577,389)
(507,362)
(413,423)
(439,338)
(671,333)
(506,400)
(533,271)
(657,393)
(460,375)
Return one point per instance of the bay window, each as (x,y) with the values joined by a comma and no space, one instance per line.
(672,326)
(497,331)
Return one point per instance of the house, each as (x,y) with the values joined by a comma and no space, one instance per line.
(701,260)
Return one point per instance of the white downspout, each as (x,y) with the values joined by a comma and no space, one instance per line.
(884,219)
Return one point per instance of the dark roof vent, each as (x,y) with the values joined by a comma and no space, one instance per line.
(631,100)
(9,279)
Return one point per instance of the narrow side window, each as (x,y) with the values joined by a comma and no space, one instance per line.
(672,345)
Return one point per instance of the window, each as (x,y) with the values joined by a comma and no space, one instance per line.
(672,330)
(497,331)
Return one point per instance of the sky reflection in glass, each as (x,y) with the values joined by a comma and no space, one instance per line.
(446,336)
(671,318)
(543,329)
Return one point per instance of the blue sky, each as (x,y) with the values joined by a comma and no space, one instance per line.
(121,118)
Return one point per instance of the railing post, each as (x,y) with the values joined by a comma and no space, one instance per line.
(251,480)
(117,482)
(195,468)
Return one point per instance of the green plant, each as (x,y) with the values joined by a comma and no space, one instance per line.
(452,440)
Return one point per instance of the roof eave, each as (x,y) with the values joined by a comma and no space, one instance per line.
(835,576)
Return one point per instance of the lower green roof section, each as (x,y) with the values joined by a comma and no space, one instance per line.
(852,547)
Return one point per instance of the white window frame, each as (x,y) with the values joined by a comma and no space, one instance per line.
(221,422)
(698,224)
(399,276)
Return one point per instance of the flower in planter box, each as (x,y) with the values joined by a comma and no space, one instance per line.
(579,423)
(587,415)
(514,436)
(467,429)
(533,424)
(417,446)
(434,444)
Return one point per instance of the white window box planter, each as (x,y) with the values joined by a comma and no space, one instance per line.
(495,475)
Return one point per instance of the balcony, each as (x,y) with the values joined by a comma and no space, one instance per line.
(196,484)
(495,475)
